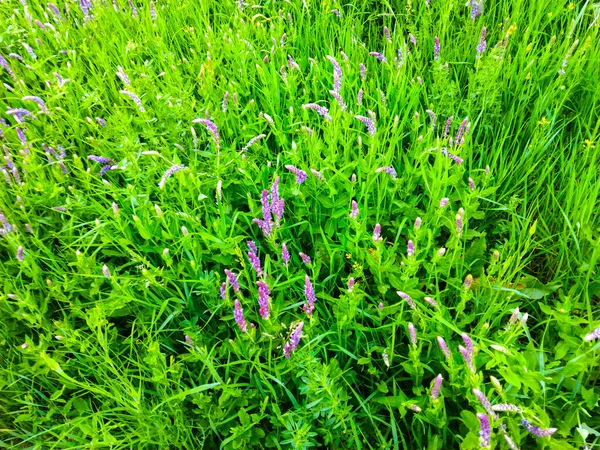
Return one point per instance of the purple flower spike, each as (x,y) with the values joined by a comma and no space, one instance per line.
(459,225)
(4,63)
(413,334)
(99,159)
(418,222)
(537,431)
(212,129)
(266,211)
(468,357)
(337,74)
(20,114)
(447,127)
(485,403)
(123,76)
(300,174)
(174,169)
(305,258)
(389,170)
(337,13)
(152,11)
(135,99)
(369,123)
(431,301)
(359,96)
(363,71)
(41,104)
(593,335)
(338,99)
(410,249)
(321,110)
(413,40)
(351,283)
(354,211)
(20,255)
(482,45)
(101,122)
(407,299)
(504,407)
(263,299)
(223,290)
(379,56)
(461,129)
(485,434)
(432,117)
(444,202)
(309,292)
(233,281)
(386,32)
(377,233)
(294,341)
(238,315)
(444,348)
(437,384)
(285,254)
(476,9)
(253,141)
(468,343)
(253,257)
(436,48)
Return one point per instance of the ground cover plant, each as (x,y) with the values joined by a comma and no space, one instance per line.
(299,224)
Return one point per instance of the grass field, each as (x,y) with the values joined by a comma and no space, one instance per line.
(300,224)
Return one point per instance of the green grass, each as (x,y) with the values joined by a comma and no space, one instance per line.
(91,361)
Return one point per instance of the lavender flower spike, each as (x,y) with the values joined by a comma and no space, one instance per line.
(437,384)
(263,299)
(431,301)
(4,63)
(482,45)
(233,281)
(432,117)
(444,202)
(468,343)
(459,225)
(593,335)
(351,283)
(20,114)
(363,71)
(436,48)
(407,298)
(305,258)
(447,127)
(485,434)
(135,99)
(254,260)
(410,249)
(537,431)
(99,159)
(339,99)
(413,334)
(485,403)
(389,170)
(300,174)
(39,102)
(321,110)
(223,290)
(468,357)
(379,56)
(459,134)
(369,123)
(377,233)
(212,128)
(337,74)
(476,8)
(309,292)
(454,158)
(285,254)
(20,255)
(277,203)
(253,141)
(444,348)
(174,169)
(354,212)
(123,76)
(294,341)
(238,315)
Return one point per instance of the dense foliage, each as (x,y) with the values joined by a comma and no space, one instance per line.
(300,224)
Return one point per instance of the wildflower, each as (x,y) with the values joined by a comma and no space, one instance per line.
(485,403)
(418,223)
(321,110)
(337,74)
(20,255)
(252,141)
(369,123)
(485,434)
(537,431)
(437,384)
(447,127)
(294,341)
(60,80)
(389,170)
(593,335)
(410,249)
(431,301)
(106,271)
(233,281)
(468,282)
(454,158)
(351,283)
(253,257)
(59,208)
(317,174)
(55,10)
(380,306)
(268,118)
(414,408)
(308,130)
(238,315)
(123,76)
(300,174)
(432,117)
(471,184)
(285,254)
(28,228)
(377,233)
(400,58)
(468,357)
(504,407)
(305,258)
(444,202)
(354,211)
(263,299)
(152,11)
(277,203)
(223,290)
(99,159)
(359,97)
(266,223)
(379,56)
(476,9)
(224,102)
(101,122)
(184,230)
(407,298)
(461,129)
(4,63)
(413,40)
(339,100)
(20,114)
(309,292)
(481,46)
(212,128)
(337,13)
(459,225)
(134,12)
(173,169)
(436,48)
(363,71)
(37,100)
(386,32)
(413,334)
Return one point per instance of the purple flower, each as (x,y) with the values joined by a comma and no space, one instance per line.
(444,202)
(444,348)
(459,225)
(16,56)
(379,56)
(266,223)
(99,159)
(482,45)
(55,10)
(468,282)
(238,315)
(225,100)
(223,290)
(305,258)
(294,341)
(413,334)
(354,212)
(338,99)
(253,141)
(173,169)
(309,292)
(106,271)
(351,283)
(476,9)
(454,158)
(485,403)
(447,127)
(437,384)
(537,431)
(152,11)
(380,306)
(317,174)
(337,13)
(468,357)
(285,254)
(410,248)
(212,128)
(386,32)
(503,407)
(277,203)
(233,281)
(123,76)
(4,63)
(471,184)
(29,50)
(369,123)
(485,434)
(253,257)
(459,134)
(431,301)
(400,58)
(321,110)
(300,174)
(407,299)
(468,343)
(60,80)
(20,114)
(593,335)
(359,97)
(337,74)
(263,299)
(413,39)
(377,233)
(20,255)
(389,170)
(134,12)
(101,122)
(432,117)
(363,71)
(135,99)
(436,48)
(414,408)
